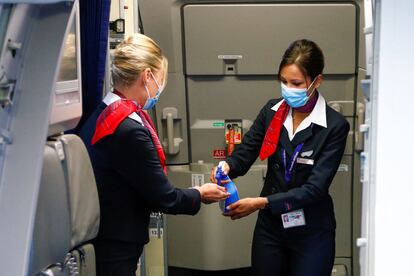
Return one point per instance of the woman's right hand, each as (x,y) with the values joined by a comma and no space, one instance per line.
(211,192)
(225,167)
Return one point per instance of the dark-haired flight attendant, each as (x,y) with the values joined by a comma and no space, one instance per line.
(303,140)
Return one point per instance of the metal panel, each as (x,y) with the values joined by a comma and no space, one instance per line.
(174,96)
(341,192)
(213,99)
(155,249)
(356,214)
(342,267)
(5,11)
(164,26)
(362,41)
(357,185)
(339,270)
(212,31)
(350,139)
(338,88)
(209,240)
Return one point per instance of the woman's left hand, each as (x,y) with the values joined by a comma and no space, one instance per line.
(245,207)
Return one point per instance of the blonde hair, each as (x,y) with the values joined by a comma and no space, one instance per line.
(132,56)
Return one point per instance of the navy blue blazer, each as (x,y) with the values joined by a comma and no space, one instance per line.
(131,182)
(309,186)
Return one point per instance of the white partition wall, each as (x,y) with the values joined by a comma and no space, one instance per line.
(387,248)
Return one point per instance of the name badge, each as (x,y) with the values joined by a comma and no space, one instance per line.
(293,219)
(306,153)
(305,161)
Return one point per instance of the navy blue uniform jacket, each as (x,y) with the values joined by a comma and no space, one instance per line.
(131,182)
(310,183)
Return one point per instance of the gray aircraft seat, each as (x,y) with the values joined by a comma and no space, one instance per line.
(83,195)
(51,235)
(83,202)
(68,211)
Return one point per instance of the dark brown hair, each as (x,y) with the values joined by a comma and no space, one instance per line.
(307,55)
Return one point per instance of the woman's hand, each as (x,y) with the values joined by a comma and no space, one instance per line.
(211,192)
(226,169)
(245,207)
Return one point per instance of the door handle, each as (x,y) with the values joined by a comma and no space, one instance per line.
(172,143)
(170,132)
(359,137)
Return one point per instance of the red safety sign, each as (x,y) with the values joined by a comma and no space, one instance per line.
(219,154)
(237,137)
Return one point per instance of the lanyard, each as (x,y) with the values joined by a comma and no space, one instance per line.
(291,164)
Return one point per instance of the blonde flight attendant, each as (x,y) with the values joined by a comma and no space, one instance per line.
(129,162)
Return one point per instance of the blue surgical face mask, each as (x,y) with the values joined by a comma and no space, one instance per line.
(150,102)
(296,97)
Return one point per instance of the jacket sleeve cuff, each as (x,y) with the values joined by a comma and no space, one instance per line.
(194,201)
(233,168)
(278,204)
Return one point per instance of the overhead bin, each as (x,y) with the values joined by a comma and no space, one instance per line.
(253,40)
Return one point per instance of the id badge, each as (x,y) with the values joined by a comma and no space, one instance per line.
(293,219)
(305,161)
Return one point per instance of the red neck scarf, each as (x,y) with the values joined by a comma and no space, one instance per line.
(271,138)
(115,113)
